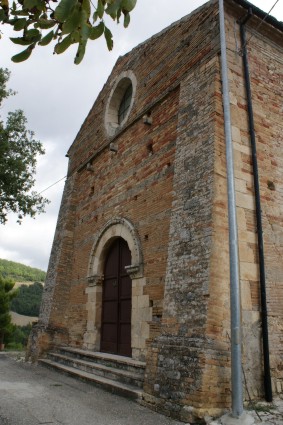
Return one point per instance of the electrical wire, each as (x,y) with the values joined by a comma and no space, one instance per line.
(259,25)
(53,184)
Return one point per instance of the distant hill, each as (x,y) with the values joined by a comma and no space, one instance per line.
(18,284)
(20,320)
(21,273)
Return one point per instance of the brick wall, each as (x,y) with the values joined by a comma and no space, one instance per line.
(266,73)
(168,179)
(136,183)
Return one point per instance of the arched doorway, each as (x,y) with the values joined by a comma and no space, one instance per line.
(117,301)
(141,310)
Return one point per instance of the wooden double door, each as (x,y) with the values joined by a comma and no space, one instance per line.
(117,301)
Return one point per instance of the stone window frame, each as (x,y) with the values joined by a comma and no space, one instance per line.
(120,86)
(141,310)
(125,104)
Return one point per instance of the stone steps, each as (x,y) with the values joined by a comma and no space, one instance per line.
(117,374)
(107,359)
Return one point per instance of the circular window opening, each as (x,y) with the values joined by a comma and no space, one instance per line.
(120,103)
(125,104)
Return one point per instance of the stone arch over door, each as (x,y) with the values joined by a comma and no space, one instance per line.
(141,310)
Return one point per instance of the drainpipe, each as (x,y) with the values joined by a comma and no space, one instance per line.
(267,377)
(236,355)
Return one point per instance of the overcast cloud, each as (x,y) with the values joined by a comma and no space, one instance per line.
(56,96)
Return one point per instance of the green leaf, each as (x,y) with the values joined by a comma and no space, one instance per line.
(97,31)
(113,8)
(33,35)
(84,26)
(33,32)
(86,8)
(45,23)
(20,24)
(109,38)
(75,36)
(2,15)
(24,55)
(21,41)
(118,15)
(64,9)
(80,52)
(65,43)
(72,22)
(46,39)
(126,20)
(20,13)
(84,31)
(4,4)
(100,9)
(128,5)
(30,4)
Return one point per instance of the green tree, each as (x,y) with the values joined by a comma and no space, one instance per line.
(6,295)
(17,337)
(67,22)
(20,272)
(18,157)
(28,299)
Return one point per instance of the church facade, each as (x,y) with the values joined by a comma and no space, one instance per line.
(140,260)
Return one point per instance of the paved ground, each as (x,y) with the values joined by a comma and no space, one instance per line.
(260,413)
(263,413)
(34,395)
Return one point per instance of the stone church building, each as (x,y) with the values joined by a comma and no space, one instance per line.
(139,268)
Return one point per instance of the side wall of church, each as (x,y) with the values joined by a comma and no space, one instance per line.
(176,358)
(198,375)
(266,67)
(265,60)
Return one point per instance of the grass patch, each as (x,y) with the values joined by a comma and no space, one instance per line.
(261,407)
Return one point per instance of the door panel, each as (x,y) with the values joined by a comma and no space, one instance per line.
(125,287)
(124,348)
(125,316)
(110,312)
(110,289)
(117,301)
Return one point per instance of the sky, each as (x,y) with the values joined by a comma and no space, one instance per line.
(56,96)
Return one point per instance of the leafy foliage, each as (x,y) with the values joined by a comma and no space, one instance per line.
(6,295)
(16,337)
(67,22)
(18,153)
(20,272)
(28,299)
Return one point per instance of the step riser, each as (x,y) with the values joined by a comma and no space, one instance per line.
(92,368)
(110,388)
(137,370)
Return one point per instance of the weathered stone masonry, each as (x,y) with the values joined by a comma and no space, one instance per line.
(158,180)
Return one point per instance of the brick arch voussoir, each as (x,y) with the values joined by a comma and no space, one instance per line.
(113,229)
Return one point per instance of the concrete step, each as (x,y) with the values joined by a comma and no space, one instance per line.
(113,386)
(113,373)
